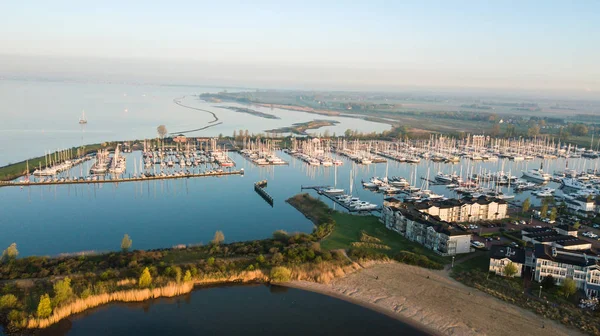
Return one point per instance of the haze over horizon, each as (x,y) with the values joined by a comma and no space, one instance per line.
(530,45)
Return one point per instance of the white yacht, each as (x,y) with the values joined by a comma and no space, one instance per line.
(445,178)
(574,183)
(537,174)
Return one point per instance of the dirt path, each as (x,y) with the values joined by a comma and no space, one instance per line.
(435,302)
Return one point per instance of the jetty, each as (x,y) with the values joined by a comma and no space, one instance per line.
(320,191)
(259,187)
(118,180)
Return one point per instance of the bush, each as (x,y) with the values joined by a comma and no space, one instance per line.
(145,279)
(8,301)
(280,274)
(44,307)
(280,235)
(417,260)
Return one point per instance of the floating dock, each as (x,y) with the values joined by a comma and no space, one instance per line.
(121,180)
(259,187)
(319,190)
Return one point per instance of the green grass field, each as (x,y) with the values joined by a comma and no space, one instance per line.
(348,229)
(479,263)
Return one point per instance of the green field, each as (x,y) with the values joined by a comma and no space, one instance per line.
(480,263)
(348,229)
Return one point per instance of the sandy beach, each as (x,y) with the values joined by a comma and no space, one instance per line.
(434,302)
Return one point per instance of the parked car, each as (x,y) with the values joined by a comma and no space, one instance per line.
(477,244)
(596,226)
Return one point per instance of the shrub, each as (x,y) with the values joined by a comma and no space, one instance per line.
(280,235)
(145,279)
(8,301)
(277,258)
(62,292)
(44,308)
(188,276)
(417,260)
(210,261)
(280,274)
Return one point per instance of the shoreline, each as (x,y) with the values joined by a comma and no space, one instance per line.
(433,303)
(323,290)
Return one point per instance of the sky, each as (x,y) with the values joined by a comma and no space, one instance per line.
(519,45)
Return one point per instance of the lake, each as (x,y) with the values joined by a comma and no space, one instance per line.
(234,310)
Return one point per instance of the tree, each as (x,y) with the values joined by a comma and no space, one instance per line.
(544,210)
(548,282)
(280,274)
(177,271)
(553,212)
(188,276)
(145,279)
(495,130)
(568,288)
(162,131)
(280,235)
(126,243)
(62,291)
(509,270)
(44,308)
(533,130)
(10,253)
(210,261)
(526,205)
(218,238)
(510,131)
(577,225)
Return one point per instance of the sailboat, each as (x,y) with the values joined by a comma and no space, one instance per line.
(334,190)
(82,120)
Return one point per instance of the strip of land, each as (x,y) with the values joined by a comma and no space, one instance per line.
(434,301)
(250,111)
(301,128)
(178,102)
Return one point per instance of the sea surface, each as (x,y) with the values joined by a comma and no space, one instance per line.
(237,310)
(39,116)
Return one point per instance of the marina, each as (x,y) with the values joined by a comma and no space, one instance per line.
(170,198)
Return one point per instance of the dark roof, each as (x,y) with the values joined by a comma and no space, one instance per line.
(453,202)
(514,254)
(571,257)
(566,227)
(531,230)
(433,221)
(555,237)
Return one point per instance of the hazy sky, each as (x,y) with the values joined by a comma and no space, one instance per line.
(322,44)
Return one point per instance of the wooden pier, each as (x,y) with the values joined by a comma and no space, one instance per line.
(121,180)
(259,187)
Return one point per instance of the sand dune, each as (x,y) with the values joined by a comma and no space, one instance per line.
(434,302)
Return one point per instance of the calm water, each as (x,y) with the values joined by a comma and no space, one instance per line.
(50,220)
(247,310)
(43,116)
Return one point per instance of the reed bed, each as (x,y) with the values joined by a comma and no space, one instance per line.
(136,295)
(132,295)
(321,273)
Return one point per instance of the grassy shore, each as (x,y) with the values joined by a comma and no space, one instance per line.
(364,236)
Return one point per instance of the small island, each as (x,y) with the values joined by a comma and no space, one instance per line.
(301,128)
(250,111)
